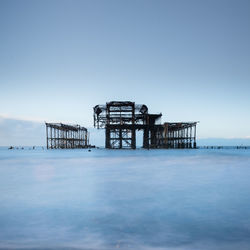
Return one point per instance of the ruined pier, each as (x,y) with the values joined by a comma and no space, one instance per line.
(121,120)
(62,136)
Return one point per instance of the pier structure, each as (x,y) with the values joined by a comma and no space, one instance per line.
(121,120)
(62,136)
(176,135)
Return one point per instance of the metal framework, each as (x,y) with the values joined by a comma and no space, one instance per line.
(122,119)
(66,136)
(176,135)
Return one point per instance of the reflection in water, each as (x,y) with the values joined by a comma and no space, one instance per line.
(159,199)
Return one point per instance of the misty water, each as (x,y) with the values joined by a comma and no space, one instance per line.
(142,199)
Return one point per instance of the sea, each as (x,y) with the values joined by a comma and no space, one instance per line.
(102,199)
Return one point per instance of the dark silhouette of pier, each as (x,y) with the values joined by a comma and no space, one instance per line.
(66,136)
(121,120)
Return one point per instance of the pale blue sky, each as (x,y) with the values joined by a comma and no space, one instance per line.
(189,60)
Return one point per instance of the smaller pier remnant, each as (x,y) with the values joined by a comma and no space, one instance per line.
(66,136)
(175,135)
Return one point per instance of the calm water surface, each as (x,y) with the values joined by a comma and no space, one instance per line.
(104,199)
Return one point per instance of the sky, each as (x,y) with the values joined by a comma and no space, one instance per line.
(189,60)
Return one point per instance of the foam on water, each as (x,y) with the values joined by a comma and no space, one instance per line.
(142,199)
